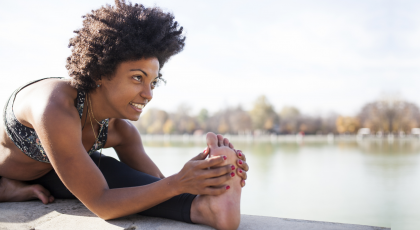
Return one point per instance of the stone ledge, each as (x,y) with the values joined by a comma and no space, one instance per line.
(71,214)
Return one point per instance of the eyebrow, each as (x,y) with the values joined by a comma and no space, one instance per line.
(139,70)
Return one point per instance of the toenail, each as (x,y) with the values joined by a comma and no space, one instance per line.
(240,162)
(224,157)
(232,174)
(239,153)
(205,150)
(232,167)
(228,187)
(240,170)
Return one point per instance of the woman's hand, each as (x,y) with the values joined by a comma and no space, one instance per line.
(196,177)
(243,166)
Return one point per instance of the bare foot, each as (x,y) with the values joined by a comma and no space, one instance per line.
(13,191)
(222,211)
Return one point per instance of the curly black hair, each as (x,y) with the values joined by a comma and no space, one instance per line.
(124,32)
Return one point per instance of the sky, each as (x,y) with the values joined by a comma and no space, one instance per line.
(320,56)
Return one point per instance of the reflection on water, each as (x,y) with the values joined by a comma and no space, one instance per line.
(369,182)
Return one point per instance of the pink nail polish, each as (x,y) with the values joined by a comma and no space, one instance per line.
(240,154)
(240,170)
(228,187)
(205,150)
(232,167)
(240,162)
(232,174)
(224,157)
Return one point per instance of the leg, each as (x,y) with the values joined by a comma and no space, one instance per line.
(223,211)
(119,175)
(14,191)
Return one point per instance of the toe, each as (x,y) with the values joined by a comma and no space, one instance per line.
(226,142)
(231,146)
(41,193)
(220,140)
(212,140)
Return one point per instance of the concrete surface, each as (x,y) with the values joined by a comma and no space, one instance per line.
(71,214)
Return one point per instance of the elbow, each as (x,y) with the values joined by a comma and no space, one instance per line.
(106,218)
(104,212)
(105,215)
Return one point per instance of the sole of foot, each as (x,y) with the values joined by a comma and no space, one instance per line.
(222,211)
(15,191)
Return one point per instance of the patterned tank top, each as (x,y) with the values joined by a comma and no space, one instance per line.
(26,139)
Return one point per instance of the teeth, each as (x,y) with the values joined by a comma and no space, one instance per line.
(139,106)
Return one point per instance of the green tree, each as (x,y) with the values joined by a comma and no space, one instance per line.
(169,127)
(263,115)
(152,121)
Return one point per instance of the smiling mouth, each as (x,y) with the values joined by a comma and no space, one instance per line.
(139,106)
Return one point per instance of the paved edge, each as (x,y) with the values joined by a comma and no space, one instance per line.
(72,214)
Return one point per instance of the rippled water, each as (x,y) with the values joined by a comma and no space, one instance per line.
(369,182)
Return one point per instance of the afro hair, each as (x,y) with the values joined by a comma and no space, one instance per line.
(114,34)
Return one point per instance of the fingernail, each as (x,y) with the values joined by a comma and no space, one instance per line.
(240,162)
(232,167)
(224,157)
(232,174)
(228,187)
(205,150)
(240,170)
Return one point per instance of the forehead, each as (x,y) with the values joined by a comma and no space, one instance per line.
(148,65)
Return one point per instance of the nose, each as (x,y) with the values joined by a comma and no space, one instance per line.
(147,93)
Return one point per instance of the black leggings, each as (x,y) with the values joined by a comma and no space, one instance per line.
(120,175)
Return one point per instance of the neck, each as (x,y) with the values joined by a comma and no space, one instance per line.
(97,106)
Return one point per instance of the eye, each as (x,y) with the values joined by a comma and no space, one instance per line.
(155,83)
(138,78)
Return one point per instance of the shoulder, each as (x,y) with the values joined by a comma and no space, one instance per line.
(123,130)
(122,126)
(47,96)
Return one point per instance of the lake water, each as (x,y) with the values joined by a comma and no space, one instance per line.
(366,182)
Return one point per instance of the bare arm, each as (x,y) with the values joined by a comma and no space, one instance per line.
(58,126)
(130,149)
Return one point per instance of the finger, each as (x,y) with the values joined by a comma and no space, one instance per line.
(220,140)
(206,151)
(226,142)
(240,155)
(219,181)
(220,171)
(242,173)
(242,183)
(213,191)
(242,164)
(212,140)
(200,156)
(212,161)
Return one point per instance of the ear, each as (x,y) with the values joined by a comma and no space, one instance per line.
(98,82)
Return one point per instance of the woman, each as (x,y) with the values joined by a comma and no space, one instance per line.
(53,128)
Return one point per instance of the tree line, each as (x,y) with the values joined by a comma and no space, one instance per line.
(384,116)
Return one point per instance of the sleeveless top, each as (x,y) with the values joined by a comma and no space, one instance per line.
(26,139)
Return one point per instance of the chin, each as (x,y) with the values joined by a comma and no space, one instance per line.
(133,117)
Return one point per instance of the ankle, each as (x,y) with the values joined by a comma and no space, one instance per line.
(200,211)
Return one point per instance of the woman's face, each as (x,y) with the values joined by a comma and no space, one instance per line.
(131,87)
